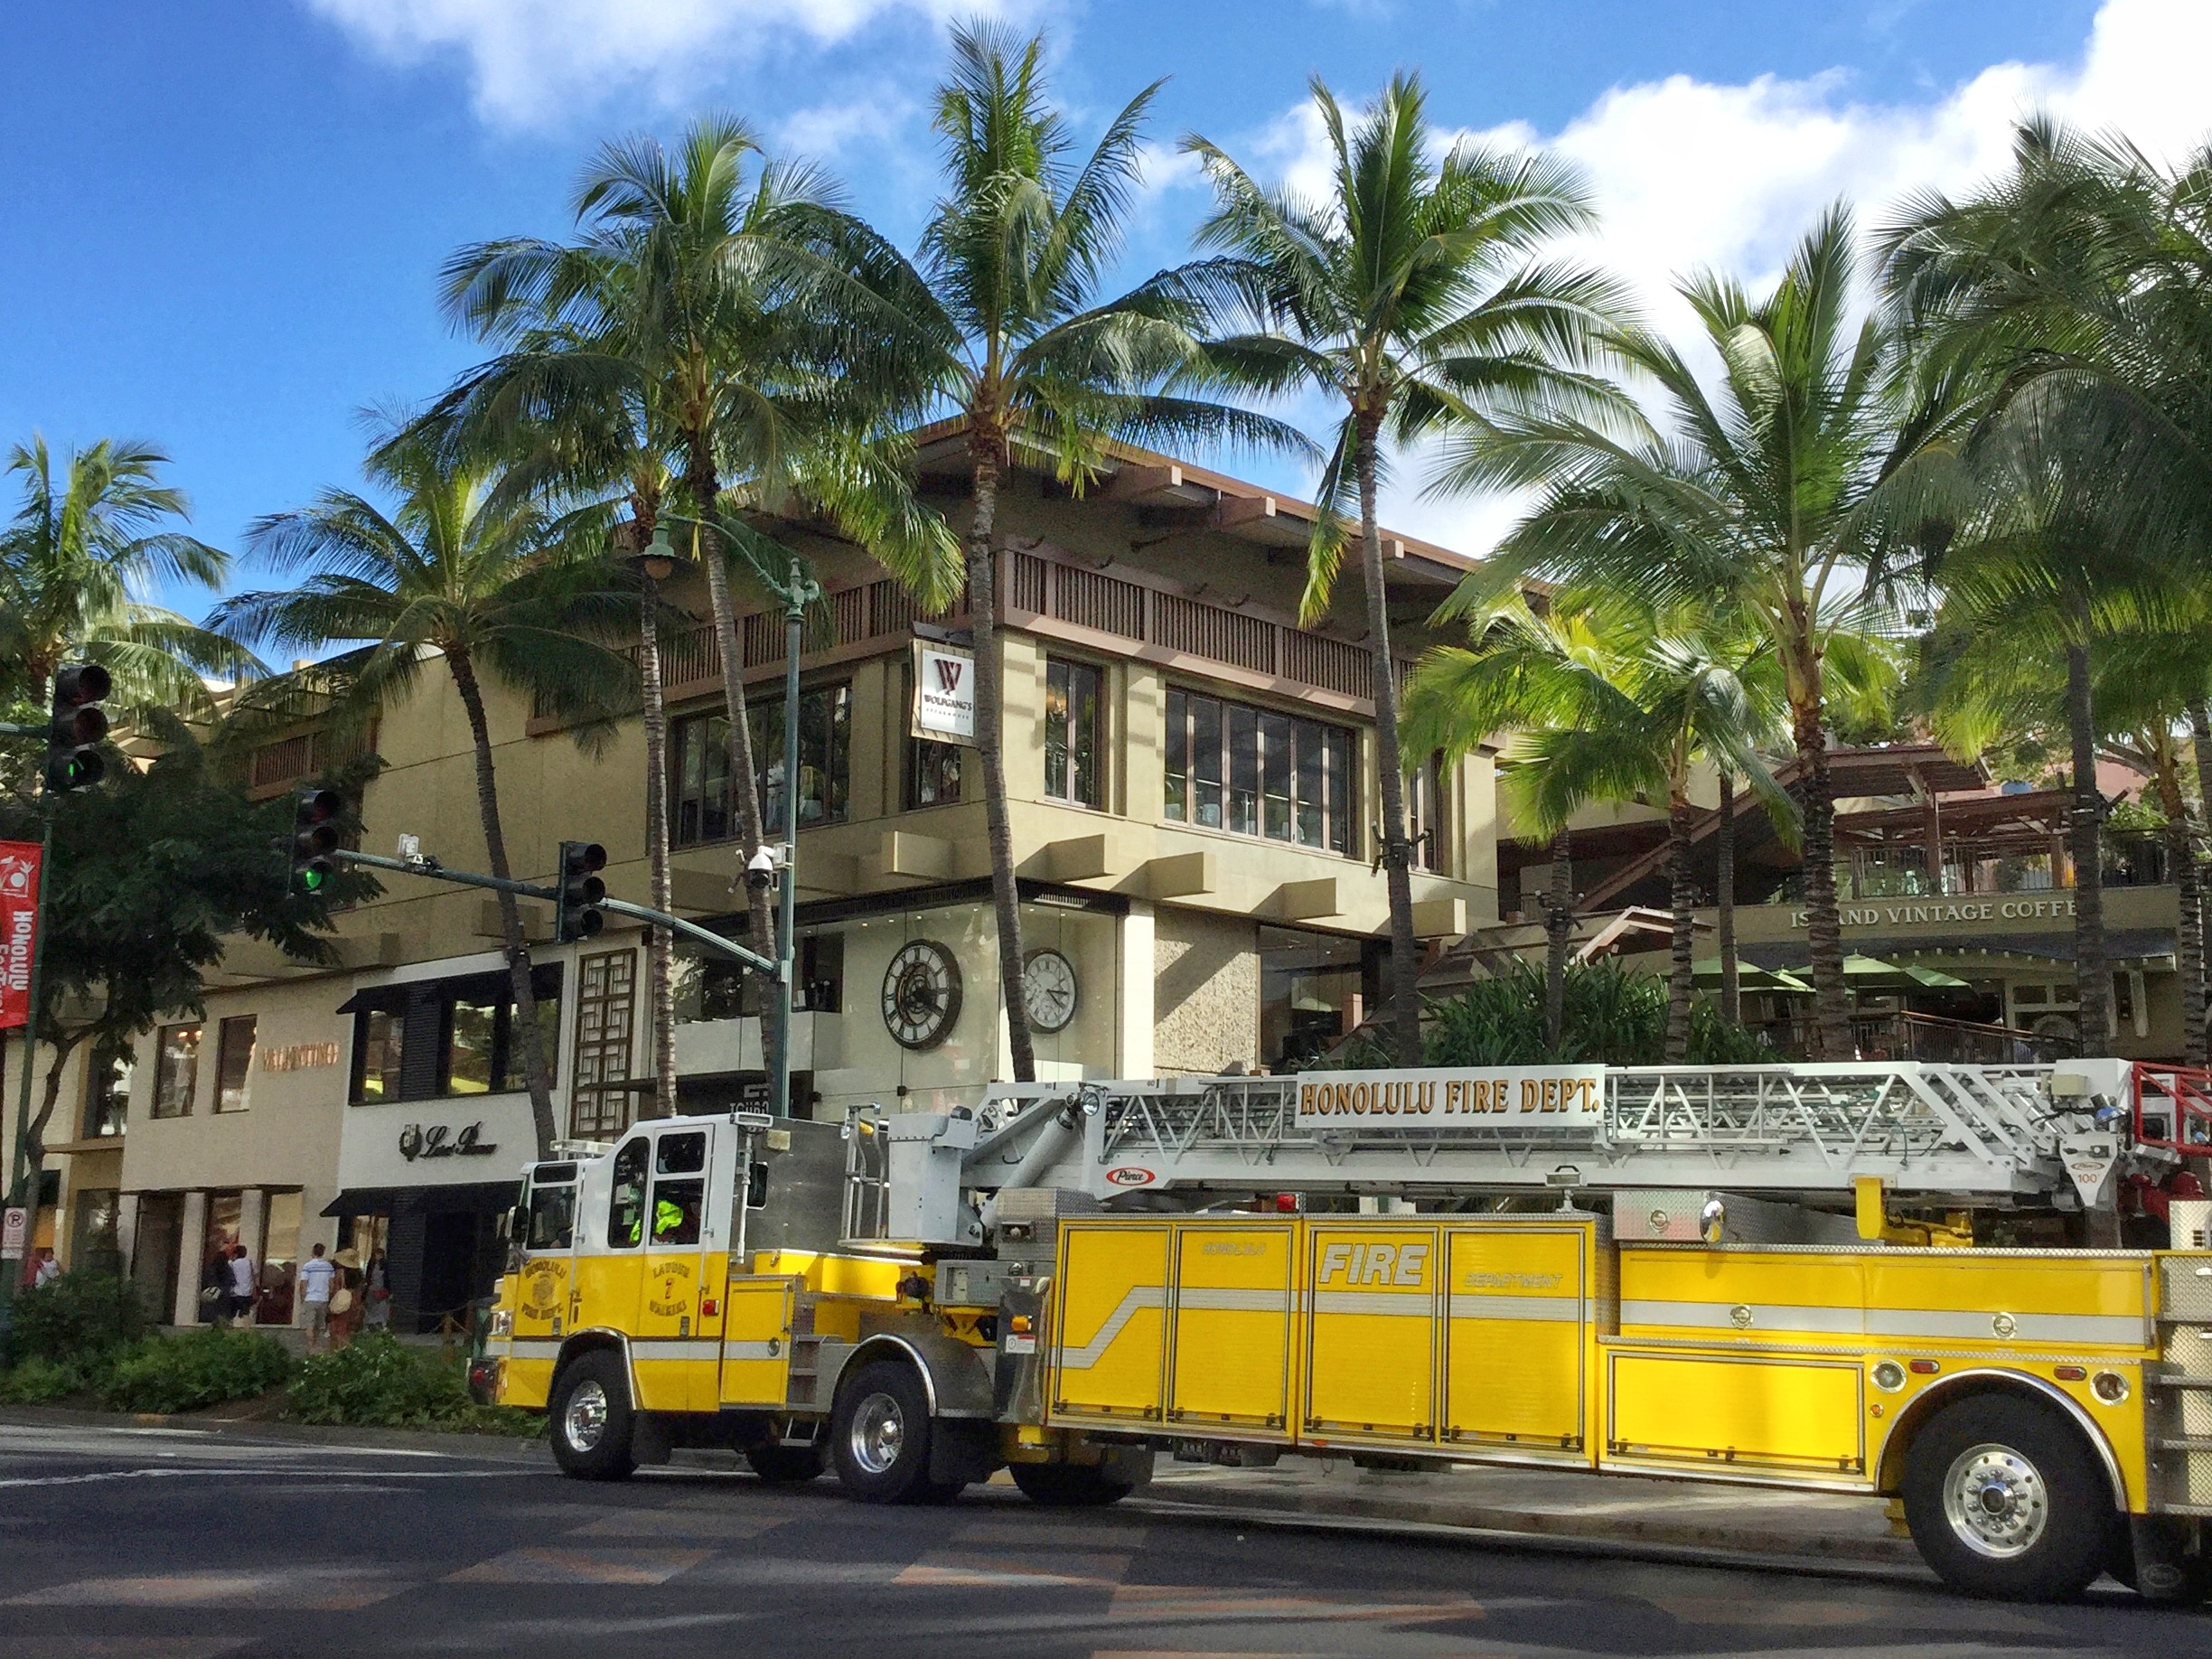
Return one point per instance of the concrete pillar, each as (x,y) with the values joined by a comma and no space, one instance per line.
(192,1246)
(1136,964)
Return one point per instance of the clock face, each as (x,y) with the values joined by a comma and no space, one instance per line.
(921,994)
(1048,990)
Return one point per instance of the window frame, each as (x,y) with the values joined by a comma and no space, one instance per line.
(1259,795)
(225,1028)
(424,1010)
(696,762)
(102,1094)
(1091,793)
(164,1074)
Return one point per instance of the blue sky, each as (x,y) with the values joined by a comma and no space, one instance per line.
(226,217)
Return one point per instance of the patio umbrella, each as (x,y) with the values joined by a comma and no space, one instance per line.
(1755,979)
(1869,973)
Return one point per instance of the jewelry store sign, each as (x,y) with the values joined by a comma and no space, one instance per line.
(1936,913)
(1487,1097)
(944,701)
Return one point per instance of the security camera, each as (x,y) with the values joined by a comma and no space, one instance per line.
(761,869)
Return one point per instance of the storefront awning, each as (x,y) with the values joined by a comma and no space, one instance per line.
(468,1198)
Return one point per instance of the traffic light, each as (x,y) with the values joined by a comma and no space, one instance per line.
(72,741)
(575,912)
(315,837)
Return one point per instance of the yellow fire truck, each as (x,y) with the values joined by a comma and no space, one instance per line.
(1789,1275)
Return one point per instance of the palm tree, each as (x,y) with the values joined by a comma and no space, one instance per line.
(1792,490)
(1002,319)
(705,314)
(458,573)
(1414,298)
(1608,702)
(77,562)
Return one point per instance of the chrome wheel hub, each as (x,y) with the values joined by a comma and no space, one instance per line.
(878,1434)
(1995,1501)
(586,1419)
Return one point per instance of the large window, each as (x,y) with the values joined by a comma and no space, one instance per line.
(1315,988)
(176,1071)
(1254,771)
(1427,822)
(699,757)
(933,768)
(107,1095)
(1072,751)
(435,1037)
(234,1046)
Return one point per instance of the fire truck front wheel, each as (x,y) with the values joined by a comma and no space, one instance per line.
(591,1419)
(879,1437)
(2006,1499)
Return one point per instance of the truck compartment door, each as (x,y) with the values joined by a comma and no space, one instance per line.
(1370,1343)
(1517,1339)
(1231,1350)
(1109,1323)
(756,1326)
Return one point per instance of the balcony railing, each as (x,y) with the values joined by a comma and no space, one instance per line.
(1923,1037)
(1975,867)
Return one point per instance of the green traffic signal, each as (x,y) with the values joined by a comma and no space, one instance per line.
(315,838)
(78,725)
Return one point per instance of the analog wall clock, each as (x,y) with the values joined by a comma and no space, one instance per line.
(921,994)
(1048,990)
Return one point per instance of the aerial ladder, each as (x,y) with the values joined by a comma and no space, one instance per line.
(1895,1279)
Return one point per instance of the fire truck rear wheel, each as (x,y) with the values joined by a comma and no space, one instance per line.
(1066,1485)
(2006,1499)
(591,1419)
(787,1466)
(879,1437)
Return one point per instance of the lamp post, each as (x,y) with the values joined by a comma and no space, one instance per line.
(797,592)
(655,564)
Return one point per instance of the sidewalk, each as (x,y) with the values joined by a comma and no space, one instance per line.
(1619,1509)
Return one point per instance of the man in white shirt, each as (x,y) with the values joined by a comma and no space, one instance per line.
(242,1287)
(315,1277)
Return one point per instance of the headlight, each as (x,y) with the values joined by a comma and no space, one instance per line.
(502,1322)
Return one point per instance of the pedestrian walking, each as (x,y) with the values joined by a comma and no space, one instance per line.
(346,1299)
(241,1286)
(215,1287)
(49,1269)
(378,1293)
(316,1276)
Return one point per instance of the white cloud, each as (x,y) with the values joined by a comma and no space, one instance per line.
(1688,174)
(530,61)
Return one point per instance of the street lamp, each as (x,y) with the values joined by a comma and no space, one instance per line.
(654,564)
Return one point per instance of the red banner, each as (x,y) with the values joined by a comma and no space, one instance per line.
(19,891)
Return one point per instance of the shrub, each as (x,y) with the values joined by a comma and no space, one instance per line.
(378,1380)
(77,1320)
(182,1373)
(36,1382)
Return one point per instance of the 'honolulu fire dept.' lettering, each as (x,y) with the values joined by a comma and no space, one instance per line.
(1439,1099)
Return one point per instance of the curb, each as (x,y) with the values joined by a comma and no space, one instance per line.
(1540,1522)
(494,1448)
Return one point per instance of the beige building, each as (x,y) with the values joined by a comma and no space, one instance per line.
(1193,783)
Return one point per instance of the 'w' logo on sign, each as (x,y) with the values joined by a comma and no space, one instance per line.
(948,671)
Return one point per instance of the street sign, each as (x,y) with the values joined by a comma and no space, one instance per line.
(14,1234)
(19,896)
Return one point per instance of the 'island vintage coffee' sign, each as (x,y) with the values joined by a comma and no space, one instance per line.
(1936,912)
(19,893)
(945,702)
(1489,1097)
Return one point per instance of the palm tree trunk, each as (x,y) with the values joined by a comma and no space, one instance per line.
(524,1025)
(2188,889)
(1559,932)
(700,479)
(1724,902)
(2200,732)
(659,954)
(2085,841)
(1397,854)
(1683,895)
(1832,1027)
(990,750)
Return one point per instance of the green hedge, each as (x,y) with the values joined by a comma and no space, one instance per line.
(76,1320)
(184,1374)
(378,1380)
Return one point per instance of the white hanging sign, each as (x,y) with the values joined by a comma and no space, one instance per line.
(944,701)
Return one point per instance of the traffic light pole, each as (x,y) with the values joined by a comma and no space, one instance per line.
(431,869)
